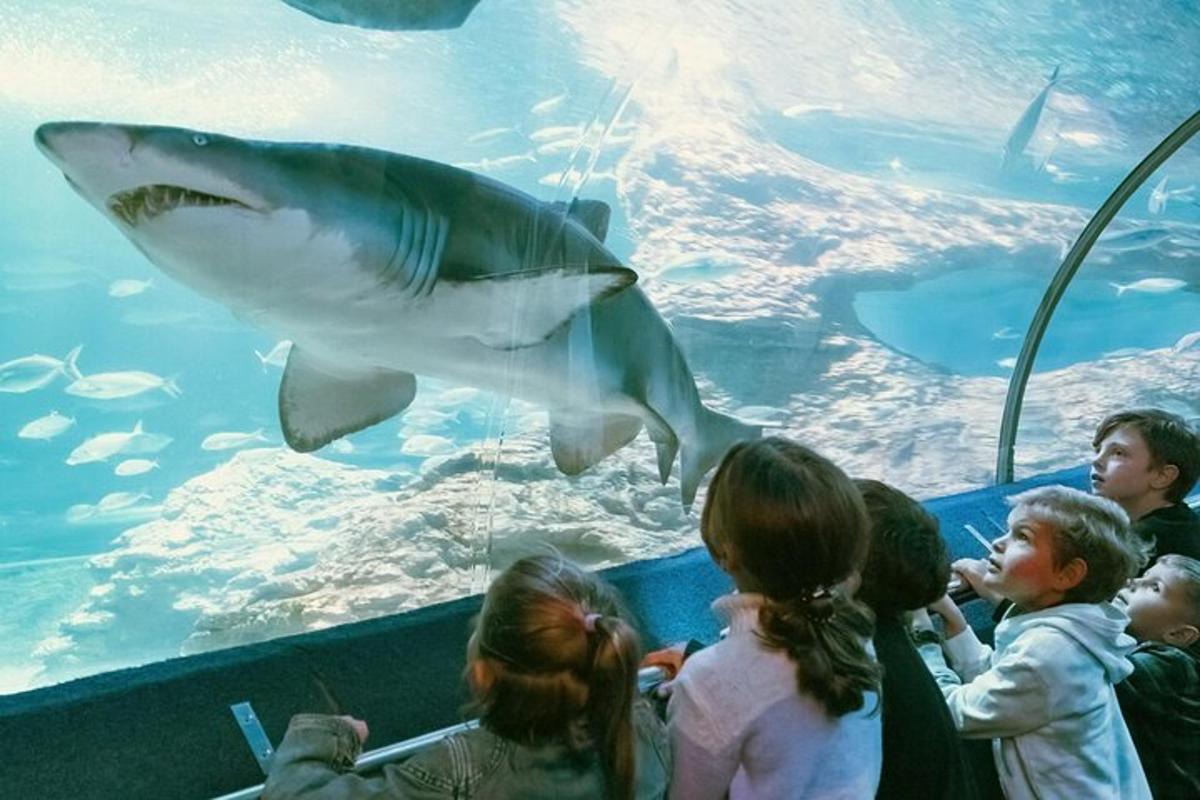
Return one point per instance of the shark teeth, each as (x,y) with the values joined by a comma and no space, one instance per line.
(146,202)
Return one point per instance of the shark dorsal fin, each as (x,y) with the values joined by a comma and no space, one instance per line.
(591,214)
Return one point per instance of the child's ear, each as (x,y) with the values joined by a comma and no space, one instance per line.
(1164,476)
(1070,575)
(1182,635)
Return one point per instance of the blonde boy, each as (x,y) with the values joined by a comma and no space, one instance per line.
(1045,695)
(1161,699)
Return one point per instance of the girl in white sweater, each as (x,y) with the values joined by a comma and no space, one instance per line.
(785,706)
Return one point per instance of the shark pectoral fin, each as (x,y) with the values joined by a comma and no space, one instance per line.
(316,407)
(591,214)
(520,309)
(579,442)
(666,443)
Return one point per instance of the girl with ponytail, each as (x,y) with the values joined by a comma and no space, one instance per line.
(552,665)
(786,705)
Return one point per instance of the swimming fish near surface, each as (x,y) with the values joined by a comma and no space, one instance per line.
(276,356)
(390,15)
(106,445)
(46,427)
(115,500)
(1149,286)
(549,104)
(134,466)
(128,287)
(230,440)
(436,271)
(1137,239)
(114,385)
(1022,133)
(33,372)
(1160,194)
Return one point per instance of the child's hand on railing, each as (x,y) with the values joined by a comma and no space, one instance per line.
(360,727)
(972,571)
(952,617)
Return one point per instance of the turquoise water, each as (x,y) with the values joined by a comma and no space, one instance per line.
(973,321)
(764,164)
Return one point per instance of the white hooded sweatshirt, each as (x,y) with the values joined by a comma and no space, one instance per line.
(1046,698)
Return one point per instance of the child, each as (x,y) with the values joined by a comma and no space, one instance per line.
(785,705)
(907,569)
(1046,693)
(1147,461)
(1161,699)
(553,667)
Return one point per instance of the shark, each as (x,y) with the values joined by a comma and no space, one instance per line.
(390,15)
(379,267)
(1022,133)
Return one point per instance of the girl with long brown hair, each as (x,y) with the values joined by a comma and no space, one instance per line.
(786,704)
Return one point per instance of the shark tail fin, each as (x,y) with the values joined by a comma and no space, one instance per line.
(1121,288)
(70,367)
(1054,75)
(716,433)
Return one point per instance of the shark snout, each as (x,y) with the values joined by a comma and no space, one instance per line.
(73,145)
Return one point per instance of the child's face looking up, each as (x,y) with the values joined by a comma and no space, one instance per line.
(1155,604)
(1021,566)
(1122,469)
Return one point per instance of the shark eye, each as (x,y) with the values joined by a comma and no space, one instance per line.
(199,139)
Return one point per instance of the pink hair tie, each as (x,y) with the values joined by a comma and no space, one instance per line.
(589,622)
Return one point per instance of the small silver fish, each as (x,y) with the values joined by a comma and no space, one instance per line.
(134,466)
(114,385)
(128,287)
(33,372)
(1149,286)
(549,104)
(46,427)
(230,440)
(277,356)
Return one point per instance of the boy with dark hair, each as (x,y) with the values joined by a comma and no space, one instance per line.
(1161,699)
(1147,460)
(1045,695)
(907,568)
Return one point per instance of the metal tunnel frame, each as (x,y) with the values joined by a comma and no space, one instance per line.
(1062,279)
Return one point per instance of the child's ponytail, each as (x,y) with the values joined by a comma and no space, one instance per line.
(613,685)
(561,664)
(825,637)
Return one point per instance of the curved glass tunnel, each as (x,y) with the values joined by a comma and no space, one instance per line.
(840,219)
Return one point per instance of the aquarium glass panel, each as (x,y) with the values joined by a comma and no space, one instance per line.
(311,314)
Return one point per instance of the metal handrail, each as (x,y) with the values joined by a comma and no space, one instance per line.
(1058,285)
(648,678)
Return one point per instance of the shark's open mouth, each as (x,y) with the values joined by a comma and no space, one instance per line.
(147,202)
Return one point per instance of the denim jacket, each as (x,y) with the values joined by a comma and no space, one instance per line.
(315,757)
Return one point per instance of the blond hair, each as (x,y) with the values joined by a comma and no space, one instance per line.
(1091,528)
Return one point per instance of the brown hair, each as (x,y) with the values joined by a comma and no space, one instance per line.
(1168,437)
(563,664)
(798,527)
(907,565)
(1091,528)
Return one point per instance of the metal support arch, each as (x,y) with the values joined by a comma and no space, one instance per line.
(1062,278)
